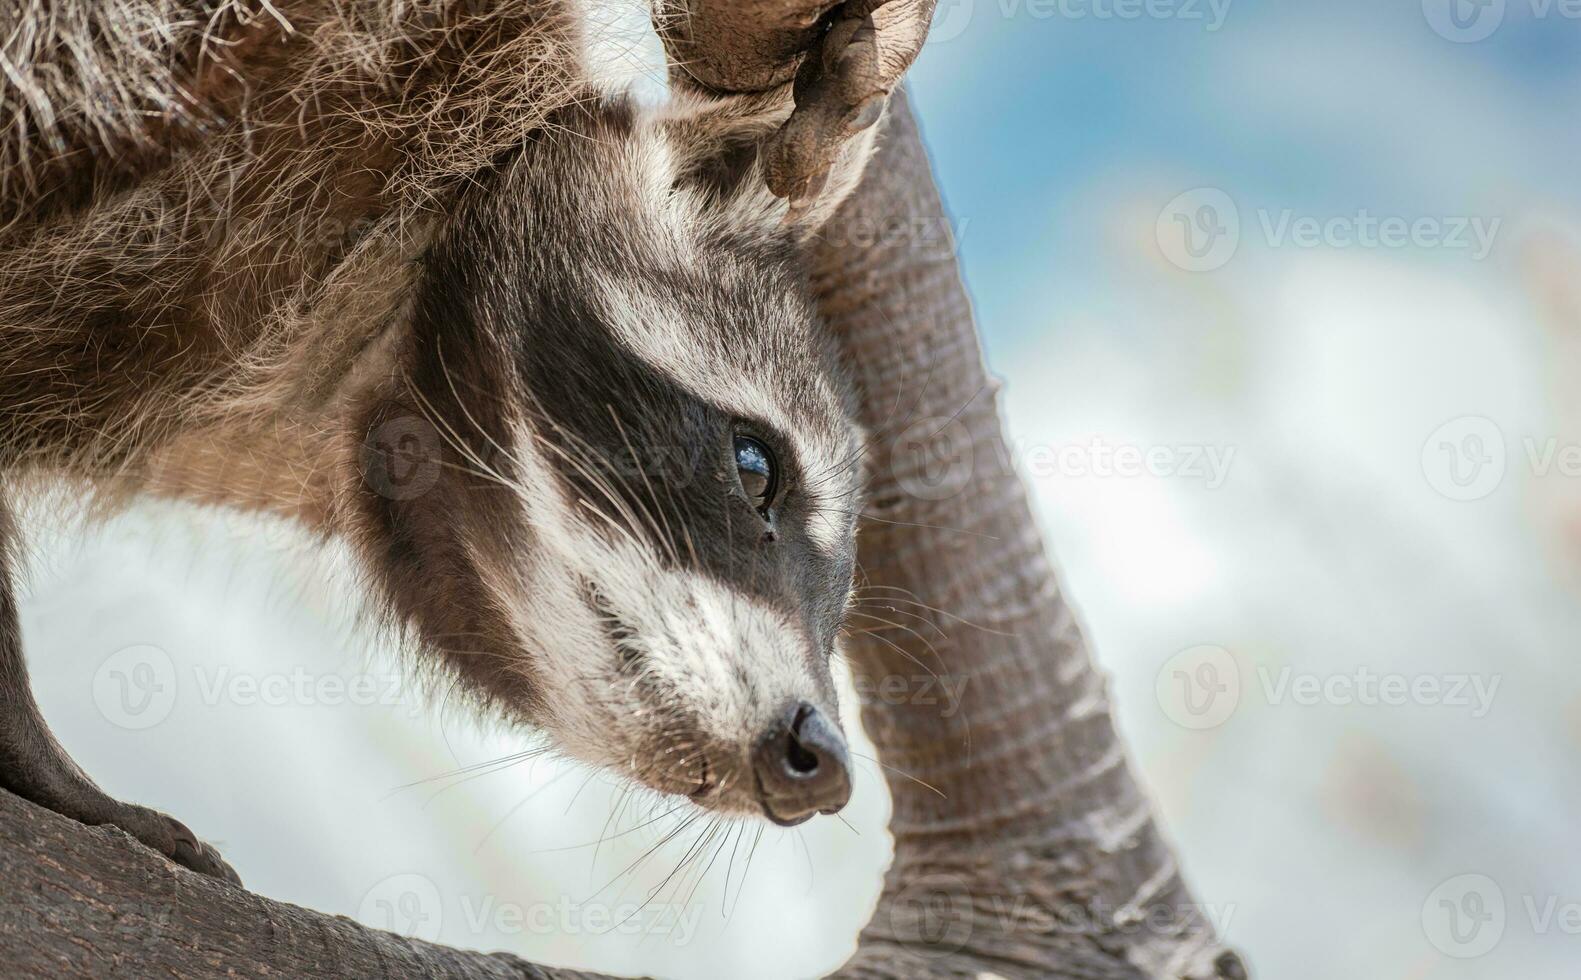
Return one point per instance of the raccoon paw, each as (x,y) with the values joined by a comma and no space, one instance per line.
(168,836)
(841,89)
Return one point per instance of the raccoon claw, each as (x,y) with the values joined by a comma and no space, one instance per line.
(172,838)
(189,852)
(841,89)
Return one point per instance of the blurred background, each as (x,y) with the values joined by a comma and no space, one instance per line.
(1284,297)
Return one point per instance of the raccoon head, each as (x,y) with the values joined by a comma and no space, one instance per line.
(637,529)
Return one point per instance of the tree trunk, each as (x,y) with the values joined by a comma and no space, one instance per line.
(1024,846)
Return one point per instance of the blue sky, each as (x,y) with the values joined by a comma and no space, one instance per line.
(1322,106)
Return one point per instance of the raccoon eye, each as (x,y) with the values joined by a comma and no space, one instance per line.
(757,472)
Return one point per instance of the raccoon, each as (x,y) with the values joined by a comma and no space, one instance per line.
(559,382)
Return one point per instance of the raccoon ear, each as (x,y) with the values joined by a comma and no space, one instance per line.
(716,144)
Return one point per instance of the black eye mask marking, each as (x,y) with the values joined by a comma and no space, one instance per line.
(517,281)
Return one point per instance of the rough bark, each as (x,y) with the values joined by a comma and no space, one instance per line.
(1024,845)
(92,902)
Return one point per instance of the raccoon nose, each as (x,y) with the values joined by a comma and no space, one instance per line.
(802,767)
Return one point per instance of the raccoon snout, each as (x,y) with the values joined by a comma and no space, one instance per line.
(802,766)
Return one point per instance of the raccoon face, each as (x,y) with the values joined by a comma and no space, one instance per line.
(644,541)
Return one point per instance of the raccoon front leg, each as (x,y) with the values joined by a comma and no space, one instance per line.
(34,766)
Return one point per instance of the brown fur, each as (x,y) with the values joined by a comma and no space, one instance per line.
(194,330)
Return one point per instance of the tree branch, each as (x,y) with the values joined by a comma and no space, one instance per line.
(92,902)
(1024,846)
